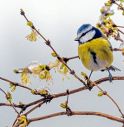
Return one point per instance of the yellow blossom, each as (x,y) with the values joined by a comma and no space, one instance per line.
(12,87)
(100,93)
(54,54)
(64,105)
(25,77)
(9,97)
(45,74)
(29,23)
(32,36)
(43,92)
(22,121)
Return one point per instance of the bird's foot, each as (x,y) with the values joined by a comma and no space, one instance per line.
(110,76)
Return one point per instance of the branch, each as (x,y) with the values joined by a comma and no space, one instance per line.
(121,7)
(117,49)
(97,82)
(121,31)
(35,107)
(78,113)
(40,101)
(113,101)
(3,92)
(120,26)
(15,83)
(10,105)
(48,43)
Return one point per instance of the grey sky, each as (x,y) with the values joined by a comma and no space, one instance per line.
(58,21)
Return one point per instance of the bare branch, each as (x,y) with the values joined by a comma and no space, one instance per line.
(78,113)
(15,83)
(35,107)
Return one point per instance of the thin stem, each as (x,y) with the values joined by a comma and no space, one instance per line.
(78,113)
(70,58)
(120,26)
(113,101)
(10,105)
(117,49)
(14,108)
(3,91)
(121,31)
(35,107)
(122,8)
(10,102)
(74,57)
(115,104)
(15,83)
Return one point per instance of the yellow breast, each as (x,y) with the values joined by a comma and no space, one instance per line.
(102,57)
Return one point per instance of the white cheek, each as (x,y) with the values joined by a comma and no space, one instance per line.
(88,36)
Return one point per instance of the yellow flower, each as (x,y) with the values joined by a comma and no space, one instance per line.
(9,97)
(64,105)
(84,75)
(45,74)
(100,93)
(63,69)
(43,92)
(53,54)
(22,121)
(29,23)
(43,71)
(32,36)
(25,77)
(54,64)
(12,87)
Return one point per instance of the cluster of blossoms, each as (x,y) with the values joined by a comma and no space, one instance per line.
(106,24)
(41,70)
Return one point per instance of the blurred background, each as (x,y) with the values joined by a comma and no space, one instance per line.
(58,21)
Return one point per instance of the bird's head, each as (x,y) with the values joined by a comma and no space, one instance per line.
(86,33)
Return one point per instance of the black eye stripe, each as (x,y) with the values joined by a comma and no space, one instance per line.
(83,34)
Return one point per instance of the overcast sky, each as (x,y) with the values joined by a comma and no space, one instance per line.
(58,20)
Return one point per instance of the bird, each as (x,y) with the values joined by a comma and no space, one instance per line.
(94,50)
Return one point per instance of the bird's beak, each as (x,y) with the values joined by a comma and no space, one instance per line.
(76,39)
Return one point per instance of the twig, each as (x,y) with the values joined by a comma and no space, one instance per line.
(31,110)
(78,113)
(117,49)
(14,108)
(120,26)
(70,58)
(122,8)
(3,91)
(15,83)
(121,31)
(12,105)
(113,101)
(115,104)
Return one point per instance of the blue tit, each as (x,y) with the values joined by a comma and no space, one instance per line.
(94,50)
